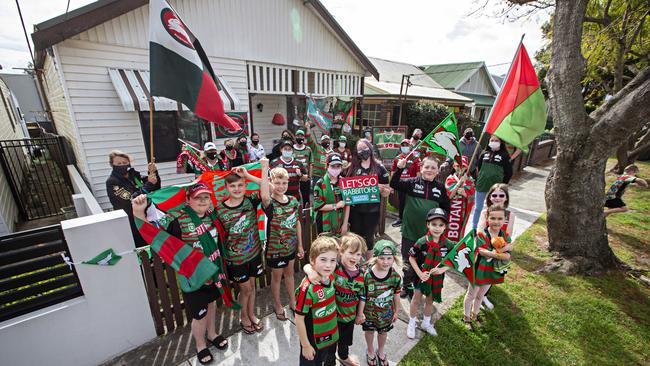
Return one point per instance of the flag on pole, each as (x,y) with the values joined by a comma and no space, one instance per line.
(462,257)
(519,113)
(349,120)
(322,120)
(180,69)
(105,258)
(444,139)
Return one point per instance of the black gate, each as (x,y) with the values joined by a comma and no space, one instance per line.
(37,174)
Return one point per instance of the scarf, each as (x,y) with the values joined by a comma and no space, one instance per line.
(331,219)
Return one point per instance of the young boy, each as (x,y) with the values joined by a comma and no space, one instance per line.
(615,193)
(284,242)
(243,244)
(424,256)
(348,281)
(303,154)
(316,316)
(294,168)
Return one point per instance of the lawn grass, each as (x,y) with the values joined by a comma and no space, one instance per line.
(553,319)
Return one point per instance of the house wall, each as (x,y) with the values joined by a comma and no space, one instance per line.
(262,120)
(8,207)
(478,84)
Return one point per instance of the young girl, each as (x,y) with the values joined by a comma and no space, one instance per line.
(424,256)
(348,281)
(284,242)
(460,189)
(382,285)
(486,275)
(231,156)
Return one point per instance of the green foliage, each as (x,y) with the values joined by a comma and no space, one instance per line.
(427,115)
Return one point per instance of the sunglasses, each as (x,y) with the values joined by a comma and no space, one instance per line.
(498,195)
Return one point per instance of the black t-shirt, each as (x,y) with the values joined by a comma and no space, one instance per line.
(382,178)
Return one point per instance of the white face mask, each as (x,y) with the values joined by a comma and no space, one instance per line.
(341,144)
(494,145)
(405,149)
(334,172)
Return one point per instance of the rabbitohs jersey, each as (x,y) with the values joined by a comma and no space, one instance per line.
(283,232)
(349,290)
(317,304)
(379,294)
(388,144)
(243,239)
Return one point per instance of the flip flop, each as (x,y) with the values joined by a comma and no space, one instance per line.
(203,354)
(259,326)
(218,342)
(382,361)
(281,316)
(247,328)
(371,361)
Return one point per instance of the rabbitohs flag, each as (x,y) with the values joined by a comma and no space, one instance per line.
(462,257)
(444,139)
(180,69)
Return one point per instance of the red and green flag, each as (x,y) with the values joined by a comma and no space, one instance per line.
(180,69)
(444,139)
(519,113)
(317,116)
(462,257)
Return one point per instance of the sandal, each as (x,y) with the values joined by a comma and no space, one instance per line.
(218,342)
(203,354)
(248,329)
(281,316)
(382,361)
(371,361)
(259,326)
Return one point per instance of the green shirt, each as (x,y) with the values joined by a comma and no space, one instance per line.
(304,156)
(349,290)
(379,295)
(319,157)
(317,304)
(243,242)
(283,231)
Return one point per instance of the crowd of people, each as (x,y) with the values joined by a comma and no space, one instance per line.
(350,280)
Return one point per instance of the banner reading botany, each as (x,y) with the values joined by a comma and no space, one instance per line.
(359,189)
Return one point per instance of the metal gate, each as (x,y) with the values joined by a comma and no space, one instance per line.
(37,175)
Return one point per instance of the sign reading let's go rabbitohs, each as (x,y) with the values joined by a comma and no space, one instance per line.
(359,189)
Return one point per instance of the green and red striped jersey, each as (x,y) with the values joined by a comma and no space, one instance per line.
(319,157)
(318,305)
(283,231)
(295,169)
(379,294)
(349,290)
(243,239)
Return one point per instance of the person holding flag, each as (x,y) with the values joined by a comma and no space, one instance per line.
(193,228)
(304,155)
(191,160)
(320,153)
(460,189)
(412,170)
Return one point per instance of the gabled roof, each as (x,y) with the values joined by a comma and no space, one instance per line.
(62,27)
(452,76)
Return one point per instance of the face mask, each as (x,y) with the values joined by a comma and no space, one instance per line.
(121,169)
(364,154)
(367,135)
(469,136)
(334,172)
(341,144)
(300,141)
(416,137)
(405,149)
(211,155)
(255,142)
(228,147)
(287,154)
(325,144)
(286,137)
(494,145)
(243,144)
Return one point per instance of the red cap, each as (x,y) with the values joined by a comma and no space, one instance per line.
(197,189)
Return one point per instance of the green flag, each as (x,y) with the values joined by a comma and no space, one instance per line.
(444,139)
(105,258)
(462,257)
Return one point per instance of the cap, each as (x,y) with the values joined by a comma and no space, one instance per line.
(300,132)
(324,137)
(437,213)
(209,146)
(464,160)
(197,189)
(334,159)
(343,138)
(384,245)
(284,143)
(468,129)
(405,141)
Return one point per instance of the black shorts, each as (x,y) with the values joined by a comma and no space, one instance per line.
(197,301)
(280,262)
(615,203)
(244,272)
(370,326)
(346,333)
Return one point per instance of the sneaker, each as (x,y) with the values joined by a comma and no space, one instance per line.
(410,329)
(429,329)
(487,303)
(397,223)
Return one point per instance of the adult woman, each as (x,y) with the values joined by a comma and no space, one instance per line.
(255,149)
(493,167)
(365,217)
(231,156)
(275,152)
(125,182)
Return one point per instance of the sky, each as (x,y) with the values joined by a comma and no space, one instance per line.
(413,31)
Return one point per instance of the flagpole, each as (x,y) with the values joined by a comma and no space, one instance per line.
(151,158)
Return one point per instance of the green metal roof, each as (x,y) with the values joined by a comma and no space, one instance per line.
(451,75)
(481,100)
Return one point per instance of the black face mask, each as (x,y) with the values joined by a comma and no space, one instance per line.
(300,140)
(243,144)
(325,144)
(286,137)
(469,136)
(254,142)
(416,137)
(228,147)
(121,169)
(211,155)
(364,154)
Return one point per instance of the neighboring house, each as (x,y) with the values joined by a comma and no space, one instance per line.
(24,88)
(498,79)
(471,79)
(10,129)
(267,54)
(382,106)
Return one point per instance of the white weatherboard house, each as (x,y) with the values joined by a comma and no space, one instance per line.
(268,55)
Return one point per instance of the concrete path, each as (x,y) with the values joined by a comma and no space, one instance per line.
(278,344)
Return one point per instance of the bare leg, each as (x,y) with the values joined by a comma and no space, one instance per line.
(290,284)
(482,290)
(428,306)
(276,281)
(242,298)
(251,301)
(415,303)
(469,300)
(615,210)
(212,320)
(198,332)
(370,339)
(381,342)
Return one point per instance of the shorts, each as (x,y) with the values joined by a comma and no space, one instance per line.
(319,358)
(279,261)
(615,203)
(370,326)
(197,301)
(346,333)
(244,272)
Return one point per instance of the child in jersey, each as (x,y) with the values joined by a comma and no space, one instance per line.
(425,255)
(382,284)
(284,242)
(614,202)
(238,213)
(348,281)
(486,275)
(303,154)
(294,168)
(316,315)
